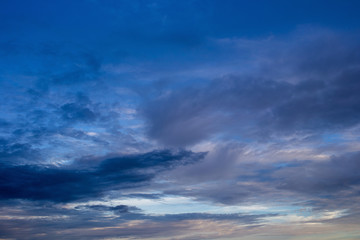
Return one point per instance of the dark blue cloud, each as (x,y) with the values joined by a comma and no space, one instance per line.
(13,153)
(73,112)
(35,182)
(119,209)
(144,196)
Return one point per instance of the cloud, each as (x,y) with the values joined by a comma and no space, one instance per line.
(101,221)
(327,183)
(119,209)
(134,213)
(284,95)
(68,184)
(46,221)
(326,177)
(73,111)
(12,152)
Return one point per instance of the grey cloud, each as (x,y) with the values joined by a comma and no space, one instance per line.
(133,213)
(327,177)
(260,104)
(46,221)
(325,183)
(144,195)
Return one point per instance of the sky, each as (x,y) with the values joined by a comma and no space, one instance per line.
(182,120)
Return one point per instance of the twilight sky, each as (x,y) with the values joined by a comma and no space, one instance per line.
(182,120)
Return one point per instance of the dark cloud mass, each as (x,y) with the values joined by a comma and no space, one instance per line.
(66,184)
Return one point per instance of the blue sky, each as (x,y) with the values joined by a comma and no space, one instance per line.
(179,119)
